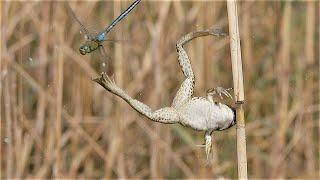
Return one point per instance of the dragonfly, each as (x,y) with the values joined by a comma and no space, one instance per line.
(93,43)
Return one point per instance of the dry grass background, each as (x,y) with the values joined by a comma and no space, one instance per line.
(55,122)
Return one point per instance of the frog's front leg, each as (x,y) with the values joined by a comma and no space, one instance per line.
(218,91)
(208,144)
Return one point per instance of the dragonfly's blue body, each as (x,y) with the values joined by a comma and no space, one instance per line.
(101,37)
(94,42)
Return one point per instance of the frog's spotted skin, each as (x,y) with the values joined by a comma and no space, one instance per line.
(194,112)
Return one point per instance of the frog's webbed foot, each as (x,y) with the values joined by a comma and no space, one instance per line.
(207,145)
(107,82)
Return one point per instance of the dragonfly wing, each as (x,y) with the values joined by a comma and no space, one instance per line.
(117,40)
(103,55)
(83,29)
(101,36)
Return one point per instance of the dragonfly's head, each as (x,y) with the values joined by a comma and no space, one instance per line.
(84,49)
(88,47)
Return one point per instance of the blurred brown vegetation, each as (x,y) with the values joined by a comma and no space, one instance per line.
(55,122)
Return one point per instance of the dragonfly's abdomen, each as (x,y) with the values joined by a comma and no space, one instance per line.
(88,47)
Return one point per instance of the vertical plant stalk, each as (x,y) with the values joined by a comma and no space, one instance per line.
(249,65)
(1,87)
(310,61)
(59,105)
(41,73)
(116,150)
(238,87)
(8,137)
(283,70)
(119,71)
(156,31)
(59,110)
(247,43)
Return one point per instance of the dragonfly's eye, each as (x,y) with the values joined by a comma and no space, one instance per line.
(82,50)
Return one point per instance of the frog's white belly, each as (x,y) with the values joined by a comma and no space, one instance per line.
(200,114)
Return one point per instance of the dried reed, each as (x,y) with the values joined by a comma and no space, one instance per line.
(238,87)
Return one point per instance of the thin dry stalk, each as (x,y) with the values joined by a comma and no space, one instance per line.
(23,144)
(310,54)
(14,114)
(58,115)
(247,40)
(238,87)
(41,72)
(8,138)
(119,72)
(43,58)
(1,86)
(115,152)
(318,114)
(59,109)
(156,31)
(78,113)
(158,80)
(283,68)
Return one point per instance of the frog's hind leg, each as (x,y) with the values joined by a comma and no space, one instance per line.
(186,89)
(166,115)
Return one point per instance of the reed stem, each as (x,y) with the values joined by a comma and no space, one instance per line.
(238,87)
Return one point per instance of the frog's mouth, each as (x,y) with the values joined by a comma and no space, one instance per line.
(234,116)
